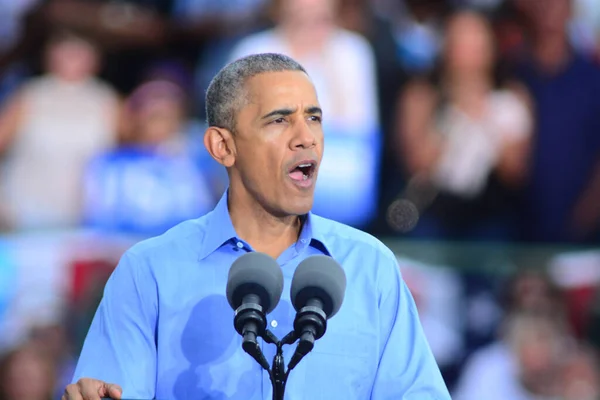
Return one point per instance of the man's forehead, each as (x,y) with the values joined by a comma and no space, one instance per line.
(274,87)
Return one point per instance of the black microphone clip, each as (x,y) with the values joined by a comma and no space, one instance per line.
(310,324)
(250,322)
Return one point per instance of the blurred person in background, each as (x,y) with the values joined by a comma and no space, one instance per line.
(533,291)
(527,293)
(584,28)
(525,364)
(130,33)
(52,342)
(49,130)
(581,375)
(560,200)
(341,64)
(26,374)
(418,30)
(464,138)
(152,182)
(360,16)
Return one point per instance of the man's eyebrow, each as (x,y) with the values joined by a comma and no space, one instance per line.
(279,112)
(313,110)
(283,112)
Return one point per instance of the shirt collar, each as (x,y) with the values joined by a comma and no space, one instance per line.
(220,230)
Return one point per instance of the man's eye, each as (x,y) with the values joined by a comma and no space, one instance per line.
(315,118)
(279,121)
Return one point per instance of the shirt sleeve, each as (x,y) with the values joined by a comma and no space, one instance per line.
(407,369)
(120,346)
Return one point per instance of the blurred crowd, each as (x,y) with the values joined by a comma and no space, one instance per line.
(454,120)
(539,352)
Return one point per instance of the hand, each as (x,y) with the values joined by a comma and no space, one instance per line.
(91,389)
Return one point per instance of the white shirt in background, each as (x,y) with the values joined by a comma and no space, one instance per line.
(472,146)
(343,74)
(64,126)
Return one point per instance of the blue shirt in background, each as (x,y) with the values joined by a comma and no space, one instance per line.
(164,328)
(348,186)
(145,191)
(566,146)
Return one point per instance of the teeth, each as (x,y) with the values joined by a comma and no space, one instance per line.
(304,177)
(304,165)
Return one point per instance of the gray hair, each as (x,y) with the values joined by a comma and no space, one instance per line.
(225,96)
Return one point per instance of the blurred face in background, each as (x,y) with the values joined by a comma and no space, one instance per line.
(27,375)
(469,48)
(159,120)
(547,17)
(314,19)
(72,59)
(532,291)
(158,112)
(538,346)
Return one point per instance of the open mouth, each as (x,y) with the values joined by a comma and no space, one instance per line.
(303,171)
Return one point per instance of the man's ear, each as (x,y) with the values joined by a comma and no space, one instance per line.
(220,145)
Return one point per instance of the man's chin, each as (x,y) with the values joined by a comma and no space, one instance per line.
(300,207)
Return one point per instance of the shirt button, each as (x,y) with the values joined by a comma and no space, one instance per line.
(240,245)
(274,324)
(303,240)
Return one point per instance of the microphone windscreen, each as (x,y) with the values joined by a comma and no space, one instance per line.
(255,273)
(319,277)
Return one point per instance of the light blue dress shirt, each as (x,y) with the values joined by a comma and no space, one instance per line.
(164,328)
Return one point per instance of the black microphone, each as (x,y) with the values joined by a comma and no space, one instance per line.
(317,293)
(254,287)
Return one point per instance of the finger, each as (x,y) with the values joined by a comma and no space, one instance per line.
(114,391)
(72,392)
(90,388)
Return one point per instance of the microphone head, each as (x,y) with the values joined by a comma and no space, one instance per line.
(255,273)
(319,277)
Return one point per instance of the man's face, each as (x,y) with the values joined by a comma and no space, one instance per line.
(548,16)
(72,59)
(279,142)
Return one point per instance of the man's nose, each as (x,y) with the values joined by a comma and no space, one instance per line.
(304,136)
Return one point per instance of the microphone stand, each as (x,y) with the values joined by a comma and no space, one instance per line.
(309,325)
(277,373)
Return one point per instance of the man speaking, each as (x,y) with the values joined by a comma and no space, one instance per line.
(164,327)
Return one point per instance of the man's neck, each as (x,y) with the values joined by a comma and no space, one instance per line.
(551,52)
(265,232)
